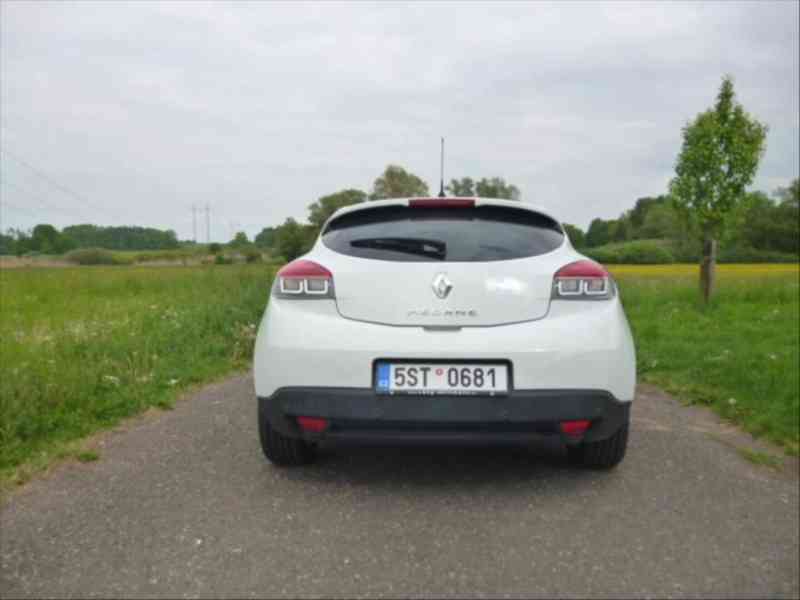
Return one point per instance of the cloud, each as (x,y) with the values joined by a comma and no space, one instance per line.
(259,108)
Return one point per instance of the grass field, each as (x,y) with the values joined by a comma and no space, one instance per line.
(84,347)
(740,355)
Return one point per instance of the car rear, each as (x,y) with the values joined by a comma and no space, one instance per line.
(443,320)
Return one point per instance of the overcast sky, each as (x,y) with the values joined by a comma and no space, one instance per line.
(144,109)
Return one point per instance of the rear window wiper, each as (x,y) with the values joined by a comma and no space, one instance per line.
(421,246)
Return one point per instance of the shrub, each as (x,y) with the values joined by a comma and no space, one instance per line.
(221,259)
(252,255)
(162,255)
(645,253)
(641,252)
(95,256)
(215,248)
(746,254)
(602,255)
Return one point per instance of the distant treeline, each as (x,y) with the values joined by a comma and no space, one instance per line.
(760,229)
(46,239)
(763,228)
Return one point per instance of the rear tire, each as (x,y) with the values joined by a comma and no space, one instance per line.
(282,450)
(602,454)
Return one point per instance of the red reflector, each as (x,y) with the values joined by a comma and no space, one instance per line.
(314,424)
(582,268)
(441,203)
(304,268)
(574,428)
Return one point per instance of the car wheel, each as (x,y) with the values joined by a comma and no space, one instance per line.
(602,454)
(283,450)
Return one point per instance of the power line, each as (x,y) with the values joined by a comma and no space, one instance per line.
(5,205)
(52,182)
(35,197)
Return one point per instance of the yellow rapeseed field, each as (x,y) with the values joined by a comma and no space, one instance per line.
(738,271)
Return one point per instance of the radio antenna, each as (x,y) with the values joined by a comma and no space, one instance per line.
(441,172)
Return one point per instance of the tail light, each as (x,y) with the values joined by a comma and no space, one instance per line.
(303,279)
(583,280)
(574,429)
(312,424)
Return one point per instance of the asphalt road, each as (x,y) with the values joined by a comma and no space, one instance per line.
(182,503)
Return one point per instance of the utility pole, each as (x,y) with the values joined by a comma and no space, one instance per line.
(208,224)
(194,223)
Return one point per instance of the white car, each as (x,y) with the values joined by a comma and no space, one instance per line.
(444,320)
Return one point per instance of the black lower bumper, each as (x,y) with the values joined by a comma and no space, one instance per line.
(361,414)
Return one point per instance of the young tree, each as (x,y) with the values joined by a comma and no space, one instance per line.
(323,208)
(718,160)
(396,182)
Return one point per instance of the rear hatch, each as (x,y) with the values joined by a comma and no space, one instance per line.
(443,265)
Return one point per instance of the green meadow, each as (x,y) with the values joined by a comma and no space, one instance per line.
(84,347)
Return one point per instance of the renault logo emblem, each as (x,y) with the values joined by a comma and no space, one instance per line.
(441,286)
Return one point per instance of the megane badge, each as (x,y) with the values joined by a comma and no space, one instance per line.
(441,286)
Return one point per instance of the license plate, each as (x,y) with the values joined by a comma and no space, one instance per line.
(439,378)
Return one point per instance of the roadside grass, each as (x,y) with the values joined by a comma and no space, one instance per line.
(87,456)
(85,347)
(760,458)
(739,355)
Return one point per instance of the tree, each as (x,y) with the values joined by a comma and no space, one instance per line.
(22,241)
(240,240)
(463,187)
(598,234)
(121,238)
(660,222)
(791,194)
(576,235)
(266,237)
(718,160)
(619,230)
(8,244)
(496,187)
(44,239)
(48,240)
(322,209)
(291,240)
(396,182)
(763,224)
(638,214)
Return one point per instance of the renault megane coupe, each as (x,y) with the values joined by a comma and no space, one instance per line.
(444,320)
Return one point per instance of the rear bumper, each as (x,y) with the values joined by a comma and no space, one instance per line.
(579,345)
(361,414)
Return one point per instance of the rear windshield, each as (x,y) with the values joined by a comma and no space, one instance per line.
(478,234)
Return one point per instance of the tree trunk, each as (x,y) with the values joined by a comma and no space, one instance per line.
(708,268)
